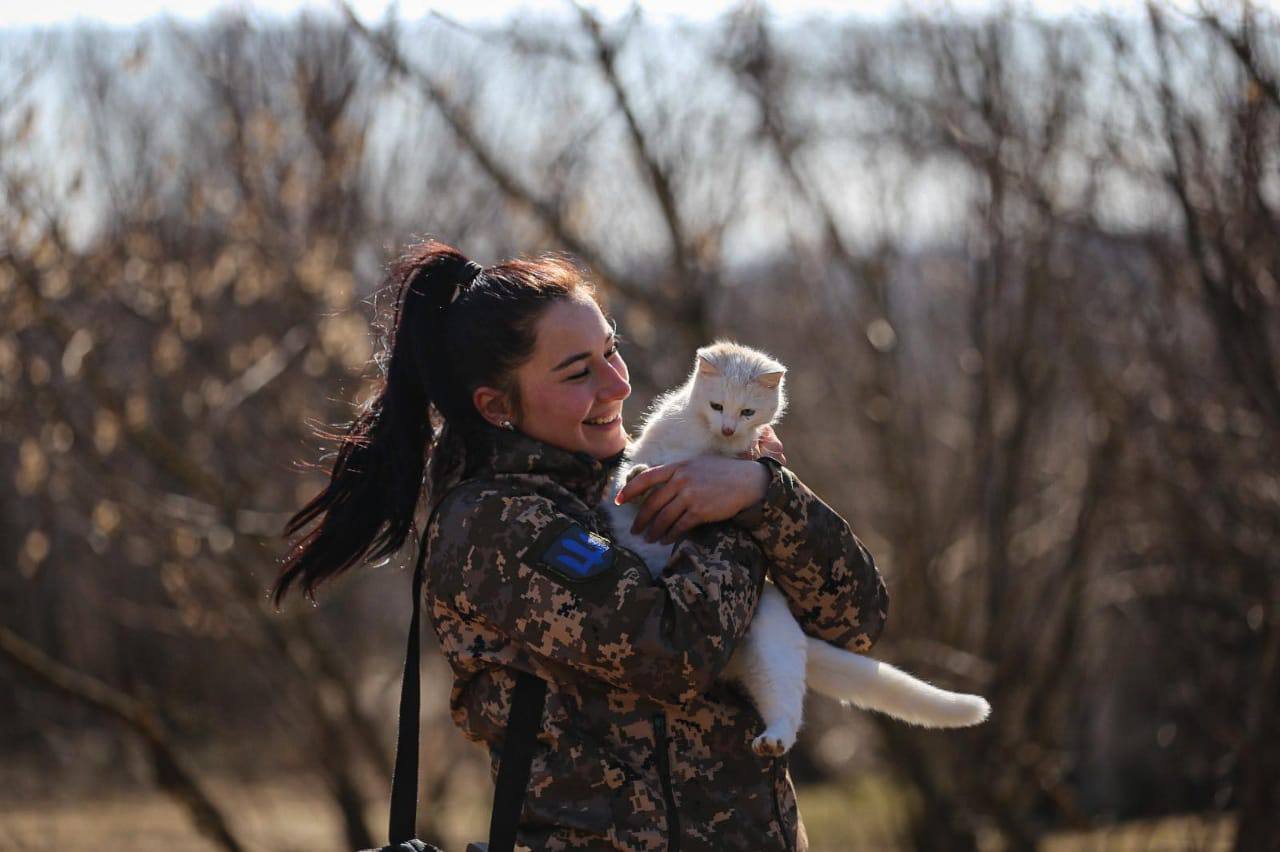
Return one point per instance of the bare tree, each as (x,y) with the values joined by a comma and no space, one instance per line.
(1022,270)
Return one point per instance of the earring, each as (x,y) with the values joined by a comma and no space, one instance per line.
(506,424)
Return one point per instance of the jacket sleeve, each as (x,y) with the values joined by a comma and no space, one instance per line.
(499,556)
(828,577)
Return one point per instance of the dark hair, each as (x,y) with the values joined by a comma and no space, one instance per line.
(456,327)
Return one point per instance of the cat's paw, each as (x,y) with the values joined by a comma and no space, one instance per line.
(636,471)
(773,744)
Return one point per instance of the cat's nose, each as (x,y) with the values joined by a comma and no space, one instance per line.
(727,430)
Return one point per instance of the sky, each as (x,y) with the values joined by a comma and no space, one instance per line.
(127,12)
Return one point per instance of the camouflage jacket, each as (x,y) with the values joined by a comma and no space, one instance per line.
(641,747)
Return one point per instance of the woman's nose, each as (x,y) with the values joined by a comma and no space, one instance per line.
(617,387)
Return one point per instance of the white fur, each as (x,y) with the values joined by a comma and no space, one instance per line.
(775,659)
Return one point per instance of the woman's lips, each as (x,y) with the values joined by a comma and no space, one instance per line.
(610,422)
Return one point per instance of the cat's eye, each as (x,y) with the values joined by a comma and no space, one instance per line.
(715,406)
(747,412)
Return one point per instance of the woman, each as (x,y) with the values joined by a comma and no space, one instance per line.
(640,746)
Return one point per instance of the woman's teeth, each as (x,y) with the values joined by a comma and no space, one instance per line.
(603,421)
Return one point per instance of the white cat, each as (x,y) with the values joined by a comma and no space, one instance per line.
(733,392)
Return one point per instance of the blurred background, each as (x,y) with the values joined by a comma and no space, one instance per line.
(1022,262)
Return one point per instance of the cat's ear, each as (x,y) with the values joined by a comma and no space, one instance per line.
(771,380)
(706,368)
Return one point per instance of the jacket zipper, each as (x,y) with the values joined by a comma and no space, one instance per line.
(664,775)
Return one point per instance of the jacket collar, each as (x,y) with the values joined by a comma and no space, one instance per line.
(514,452)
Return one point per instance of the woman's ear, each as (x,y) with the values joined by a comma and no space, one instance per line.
(492,405)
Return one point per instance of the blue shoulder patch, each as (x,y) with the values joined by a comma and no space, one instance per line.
(577,555)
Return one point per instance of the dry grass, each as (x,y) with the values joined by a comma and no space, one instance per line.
(867,814)
(871,814)
(1190,833)
(277,817)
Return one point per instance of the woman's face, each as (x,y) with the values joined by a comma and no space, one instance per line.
(572,388)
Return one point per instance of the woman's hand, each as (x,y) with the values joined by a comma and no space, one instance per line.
(679,496)
(767,444)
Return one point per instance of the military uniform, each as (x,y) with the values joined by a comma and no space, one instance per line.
(641,747)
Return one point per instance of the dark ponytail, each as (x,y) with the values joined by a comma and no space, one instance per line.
(456,327)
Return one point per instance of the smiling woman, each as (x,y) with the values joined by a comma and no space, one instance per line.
(572,388)
(592,683)
(467,344)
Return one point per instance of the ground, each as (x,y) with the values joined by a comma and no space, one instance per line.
(287,816)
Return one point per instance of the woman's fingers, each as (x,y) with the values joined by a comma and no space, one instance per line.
(665,520)
(769,445)
(709,487)
(654,502)
(642,482)
(686,522)
(765,444)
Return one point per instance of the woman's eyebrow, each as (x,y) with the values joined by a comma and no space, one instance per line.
(567,361)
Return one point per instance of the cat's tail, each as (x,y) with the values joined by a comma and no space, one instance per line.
(873,685)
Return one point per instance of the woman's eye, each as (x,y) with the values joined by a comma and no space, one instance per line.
(613,351)
(715,406)
(747,412)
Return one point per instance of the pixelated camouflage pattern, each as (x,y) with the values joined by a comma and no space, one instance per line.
(828,577)
(631,662)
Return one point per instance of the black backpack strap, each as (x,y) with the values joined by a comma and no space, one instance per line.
(404,779)
(523,724)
